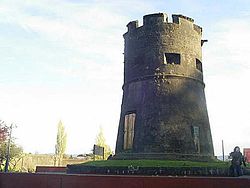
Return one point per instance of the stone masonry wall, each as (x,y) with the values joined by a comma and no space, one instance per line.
(168,98)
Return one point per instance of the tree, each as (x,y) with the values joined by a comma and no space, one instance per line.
(16,151)
(3,131)
(101,141)
(61,142)
(15,155)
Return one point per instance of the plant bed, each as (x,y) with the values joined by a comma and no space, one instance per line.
(152,167)
(155,163)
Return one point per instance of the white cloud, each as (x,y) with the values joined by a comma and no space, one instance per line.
(37,111)
(228,75)
(92,32)
(228,47)
(97,61)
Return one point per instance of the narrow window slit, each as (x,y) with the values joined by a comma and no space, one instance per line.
(198,65)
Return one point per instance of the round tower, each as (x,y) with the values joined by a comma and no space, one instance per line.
(163,112)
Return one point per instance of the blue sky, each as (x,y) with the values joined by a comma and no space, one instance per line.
(63,60)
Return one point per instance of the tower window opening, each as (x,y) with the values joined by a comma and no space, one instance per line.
(196,138)
(129,124)
(198,65)
(173,58)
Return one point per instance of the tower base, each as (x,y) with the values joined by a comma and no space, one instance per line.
(162,156)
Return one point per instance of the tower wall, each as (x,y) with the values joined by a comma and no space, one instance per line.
(163,86)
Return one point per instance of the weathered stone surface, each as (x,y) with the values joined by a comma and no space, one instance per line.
(167,98)
(157,171)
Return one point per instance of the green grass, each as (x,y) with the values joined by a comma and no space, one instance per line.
(155,163)
(248,165)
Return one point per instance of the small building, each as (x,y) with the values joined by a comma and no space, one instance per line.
(246,152)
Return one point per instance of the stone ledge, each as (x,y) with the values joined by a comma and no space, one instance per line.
(162,156)
(155,171)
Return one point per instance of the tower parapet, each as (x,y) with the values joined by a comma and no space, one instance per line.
(151,20)
(147,47)
(132,25)
(178,18)
(164,107)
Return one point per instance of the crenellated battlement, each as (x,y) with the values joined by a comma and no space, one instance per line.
(158,19)
(178,18)
(132,25)
(159,42)
(152,19)
(198,29)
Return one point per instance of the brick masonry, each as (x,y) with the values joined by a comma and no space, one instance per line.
(30,180)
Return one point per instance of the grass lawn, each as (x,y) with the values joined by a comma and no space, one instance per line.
(155,163)
(248,165)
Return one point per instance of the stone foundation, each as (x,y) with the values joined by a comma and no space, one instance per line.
(156,171)
(163,156)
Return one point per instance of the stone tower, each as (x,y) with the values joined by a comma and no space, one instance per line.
(163,112)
